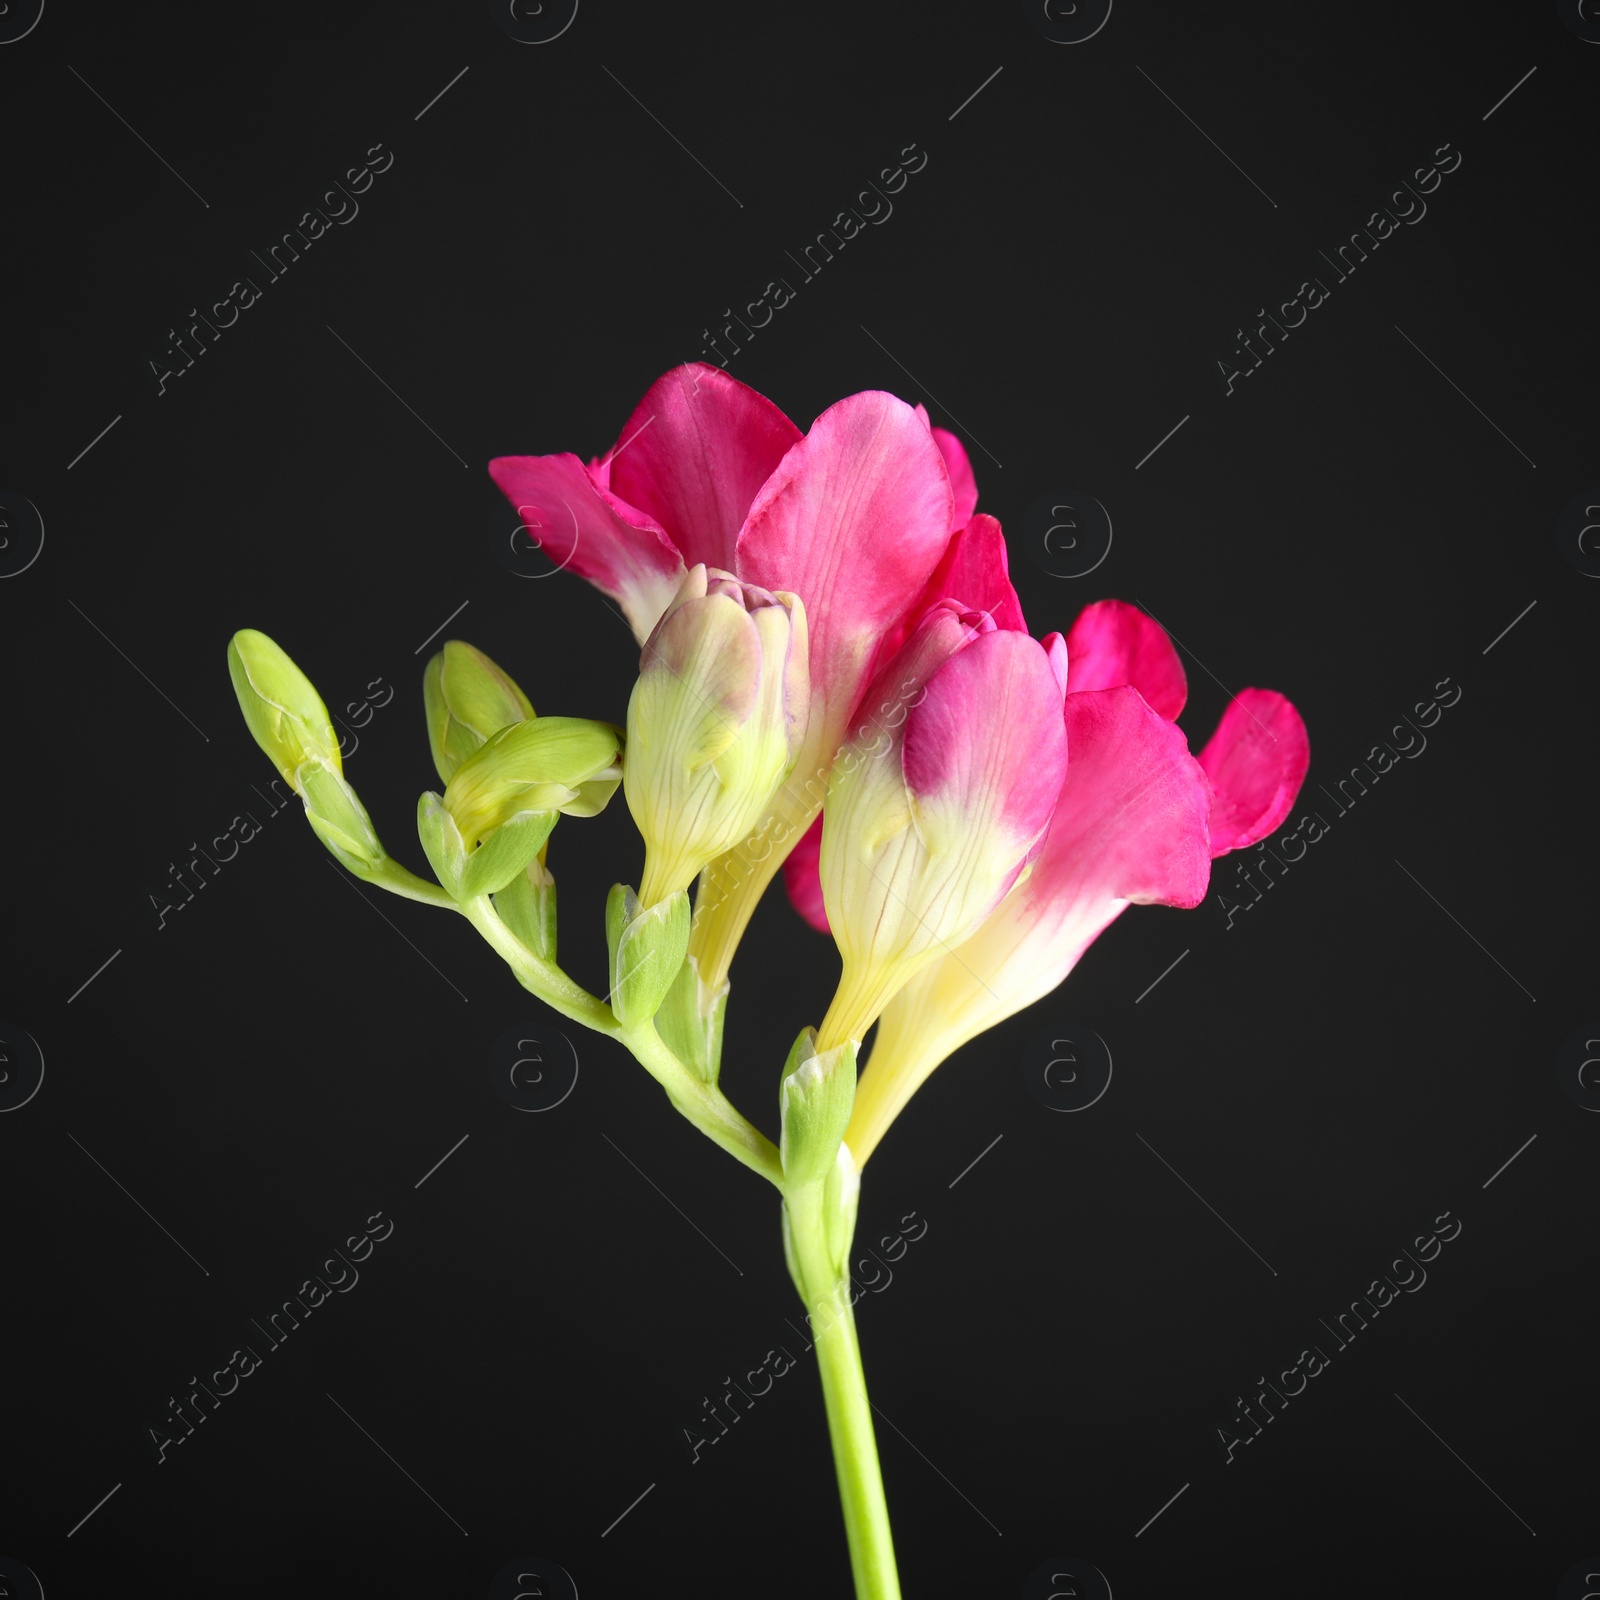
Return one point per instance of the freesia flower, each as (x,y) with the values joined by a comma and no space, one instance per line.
(827,624)
(940,799)
(1137,822)
(973,570)
(852,517)
(714,723)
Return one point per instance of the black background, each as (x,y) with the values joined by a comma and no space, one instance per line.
(1330,1073)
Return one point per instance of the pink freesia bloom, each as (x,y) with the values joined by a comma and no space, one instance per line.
(851,516)
(973,570)
(938,802)
(1137,822)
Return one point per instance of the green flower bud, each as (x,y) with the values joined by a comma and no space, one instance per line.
(714,723)
(284,713)
(468,699)
(815,1095)
(647,947)
(690,1021)
(527,906)
(550,764)
(286,717)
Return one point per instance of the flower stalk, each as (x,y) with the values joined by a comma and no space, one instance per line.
(823,1279)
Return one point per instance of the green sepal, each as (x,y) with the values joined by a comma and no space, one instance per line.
(527,906)
(337,817)
(442,843)
(815,1095)
(647,947)
(690,1021)
(504,854)
(467,699)
(283,711)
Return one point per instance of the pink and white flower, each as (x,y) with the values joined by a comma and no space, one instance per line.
(1137,821)
(939,801)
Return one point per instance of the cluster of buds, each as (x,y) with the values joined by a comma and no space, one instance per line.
(508,775)
(714,724)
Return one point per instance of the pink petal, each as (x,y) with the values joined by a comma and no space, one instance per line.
(1113,643)
(962,483)
(587,530)
(1129,828)
(988,735)
(853,521)
(1256,761)
(803,880)
(1056,648)
(974,570)
(693,455)
(1131,821)
(899,680)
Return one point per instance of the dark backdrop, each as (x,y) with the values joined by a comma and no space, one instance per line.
(1305,1093)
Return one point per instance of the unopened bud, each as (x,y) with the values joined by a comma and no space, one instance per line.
(286,717)
(284,713)
(714,723)
(467,699)
(549,764)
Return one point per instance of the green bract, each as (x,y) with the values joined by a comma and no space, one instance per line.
(815,1095)
(337,817)
(527,906)
(503,856)
(690,1021)
(647,947)
(441,841)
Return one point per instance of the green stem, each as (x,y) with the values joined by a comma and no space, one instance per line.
(538,976)
(390,875)
(702,1103)
(826,1290)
